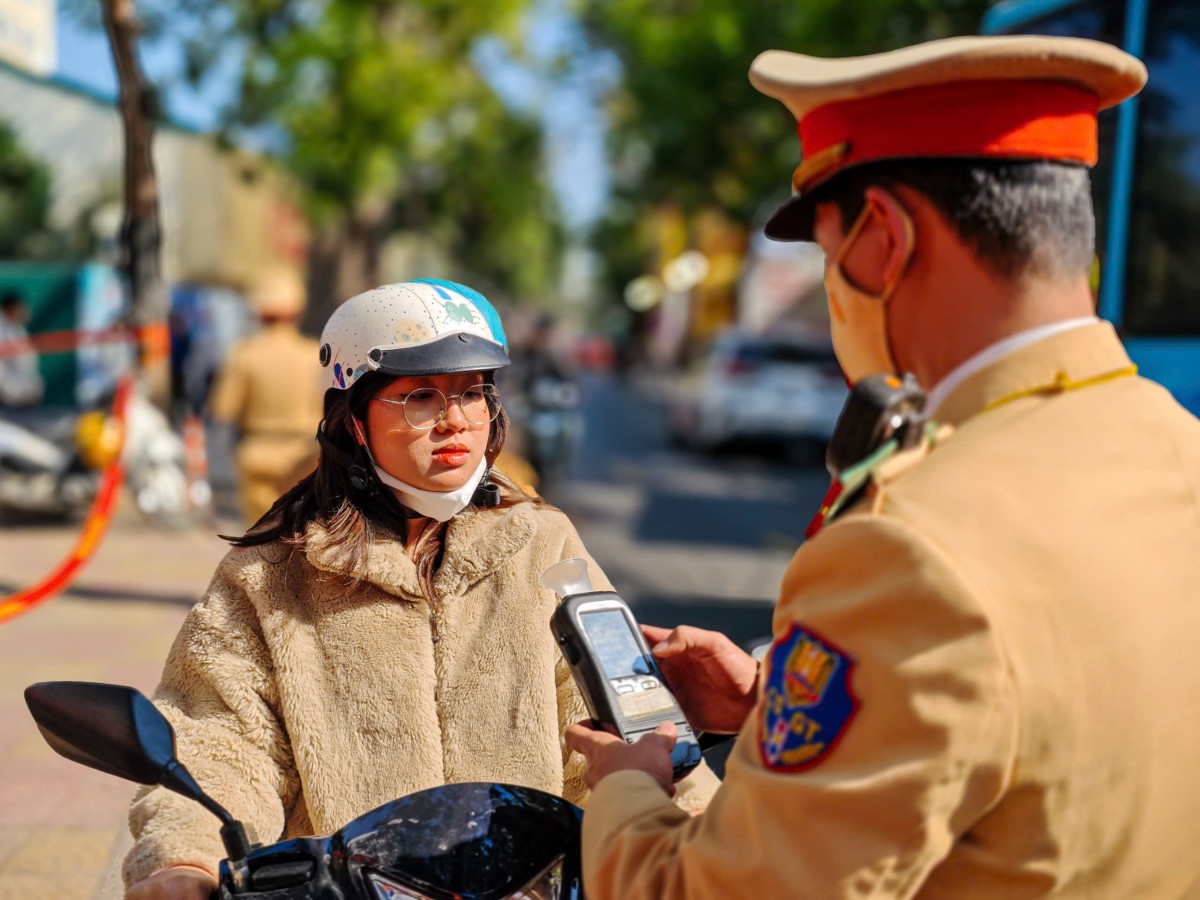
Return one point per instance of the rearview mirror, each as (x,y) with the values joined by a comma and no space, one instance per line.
(116,730)
(104,726)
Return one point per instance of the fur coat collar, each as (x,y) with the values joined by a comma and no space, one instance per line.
(478,543)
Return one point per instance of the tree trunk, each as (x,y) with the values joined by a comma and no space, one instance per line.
(141,234)
(344,259)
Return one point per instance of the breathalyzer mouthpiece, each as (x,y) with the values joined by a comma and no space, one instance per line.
(568,577)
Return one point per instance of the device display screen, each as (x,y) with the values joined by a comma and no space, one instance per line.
(620,656)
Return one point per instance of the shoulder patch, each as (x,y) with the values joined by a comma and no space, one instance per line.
(807,702)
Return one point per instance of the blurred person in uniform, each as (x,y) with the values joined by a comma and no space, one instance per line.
(269,391)
(20,381)
(984,665)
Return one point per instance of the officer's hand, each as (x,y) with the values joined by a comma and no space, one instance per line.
(175,883)
(713,678)
(606,753)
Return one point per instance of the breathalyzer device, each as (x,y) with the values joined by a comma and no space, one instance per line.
(614,669)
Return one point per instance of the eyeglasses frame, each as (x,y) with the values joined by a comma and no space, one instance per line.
(490,393)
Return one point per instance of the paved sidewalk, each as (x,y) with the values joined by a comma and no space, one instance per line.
(59,821)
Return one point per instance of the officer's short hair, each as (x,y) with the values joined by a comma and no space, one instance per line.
(1022,218)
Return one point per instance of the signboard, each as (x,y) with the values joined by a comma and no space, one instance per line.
(27,38)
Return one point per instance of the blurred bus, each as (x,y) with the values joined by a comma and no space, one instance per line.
(1147,185)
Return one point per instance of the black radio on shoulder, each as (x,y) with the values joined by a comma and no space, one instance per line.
(880,408)
(614,669)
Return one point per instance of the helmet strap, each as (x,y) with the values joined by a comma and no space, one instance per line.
(361,477)
(487,494)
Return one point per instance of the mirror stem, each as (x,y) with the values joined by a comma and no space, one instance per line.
(176,778)
(237,845)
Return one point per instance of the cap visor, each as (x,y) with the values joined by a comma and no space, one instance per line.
(793,221)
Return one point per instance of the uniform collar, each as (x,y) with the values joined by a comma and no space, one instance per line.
(1073,355)
(989,355)
(478,542)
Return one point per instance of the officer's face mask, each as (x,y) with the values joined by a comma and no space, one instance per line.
(858,318)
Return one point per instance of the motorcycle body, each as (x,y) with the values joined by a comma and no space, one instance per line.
(554,426)
(46,465)
(52,461)
(471,841)
(474,840)
(156,469)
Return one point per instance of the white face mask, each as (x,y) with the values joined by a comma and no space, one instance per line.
(857,318)
(440,505)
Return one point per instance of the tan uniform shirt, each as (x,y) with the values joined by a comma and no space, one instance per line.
(986,670)
(270,388)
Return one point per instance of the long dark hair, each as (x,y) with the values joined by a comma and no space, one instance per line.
(352,516)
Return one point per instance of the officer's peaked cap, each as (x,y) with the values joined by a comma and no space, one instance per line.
(1016,97)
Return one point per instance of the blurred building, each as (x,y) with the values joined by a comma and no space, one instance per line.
(226,214)
(27,34)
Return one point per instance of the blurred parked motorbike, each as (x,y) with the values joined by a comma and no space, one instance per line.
(51,462)
(475,841)
(553,424)
(156,469)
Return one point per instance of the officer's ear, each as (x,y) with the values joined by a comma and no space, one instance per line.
(885,242)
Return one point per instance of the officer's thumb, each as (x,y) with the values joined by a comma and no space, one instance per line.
(667,730)
(672,645)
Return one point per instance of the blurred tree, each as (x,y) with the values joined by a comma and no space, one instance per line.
(388,124)
(24,200)
(687,126)
(380,114)
(141,232)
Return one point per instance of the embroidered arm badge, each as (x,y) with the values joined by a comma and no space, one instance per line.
(807,702)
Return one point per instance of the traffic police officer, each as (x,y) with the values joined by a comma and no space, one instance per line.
(270,390)
(983,678)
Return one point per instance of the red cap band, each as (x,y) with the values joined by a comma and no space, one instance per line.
(1005,119)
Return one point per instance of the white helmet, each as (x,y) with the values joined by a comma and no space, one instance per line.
(420,327)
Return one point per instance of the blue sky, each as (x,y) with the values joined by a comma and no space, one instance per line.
(84,59)
(568,105)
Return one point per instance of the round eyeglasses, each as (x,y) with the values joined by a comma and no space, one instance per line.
(425,407)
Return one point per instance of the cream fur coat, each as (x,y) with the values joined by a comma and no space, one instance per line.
(301,701)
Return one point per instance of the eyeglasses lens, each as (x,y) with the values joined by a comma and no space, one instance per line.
(480,404)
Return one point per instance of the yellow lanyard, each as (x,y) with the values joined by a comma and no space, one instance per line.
(1061,384)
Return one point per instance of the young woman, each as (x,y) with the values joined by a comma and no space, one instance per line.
(381,630)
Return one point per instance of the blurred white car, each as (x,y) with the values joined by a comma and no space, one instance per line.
(762,389)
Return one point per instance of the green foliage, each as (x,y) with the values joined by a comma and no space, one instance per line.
(380,106)
(689,128)
(379,114)
(24,200)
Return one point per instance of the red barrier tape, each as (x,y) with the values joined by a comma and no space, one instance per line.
(155,338)
(94,527)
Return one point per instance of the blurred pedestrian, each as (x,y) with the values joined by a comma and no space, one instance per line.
(269,392)
(550,398)
(20,380)
(382,629)
(984,660)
